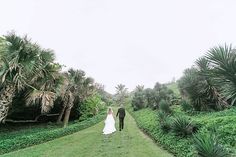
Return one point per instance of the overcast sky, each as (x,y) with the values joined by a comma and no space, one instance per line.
(132,42)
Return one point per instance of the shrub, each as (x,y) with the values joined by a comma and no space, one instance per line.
(26,138)
(164,122)
(222,123)
(164,106)
(139,101)
(207,145)
(147,120)
(185,105)
(182,126)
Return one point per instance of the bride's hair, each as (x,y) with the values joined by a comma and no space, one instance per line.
(109,110)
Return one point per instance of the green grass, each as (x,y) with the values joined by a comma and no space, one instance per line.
(130,142)
(14,137)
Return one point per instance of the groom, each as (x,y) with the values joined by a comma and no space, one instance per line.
(121,113)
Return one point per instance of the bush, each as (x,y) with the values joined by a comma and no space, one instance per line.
(91,106)
(185,105)
(223,123)
(207,145)
(139,101)
(147,120)
(164,121)
(22,139)
(182,126)
(164,106)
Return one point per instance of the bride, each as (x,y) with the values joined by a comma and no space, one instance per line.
(109,123)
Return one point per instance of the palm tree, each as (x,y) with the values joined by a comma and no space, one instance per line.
(77,88)
(22,65)
(121,94)
(223,62)
(209,89)
(189,85)
(211,83)
(150,97)
(139,88)
(47,87)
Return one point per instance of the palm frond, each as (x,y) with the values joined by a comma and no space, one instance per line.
(46,98)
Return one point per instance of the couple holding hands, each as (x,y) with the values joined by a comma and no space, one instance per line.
(110,122)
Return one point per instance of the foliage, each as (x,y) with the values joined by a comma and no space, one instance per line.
(211,83)
(151,97)
(185,105)
(105,96)
(161,92)
(139,101)
(32,84)
(148,121)
(74,91)
(164,106)
(165,121)
(121,94)
(207,145)
(223,62)
(27,66)
(223,122)
(28,137)
(91,143)
(182,126)
(91,106)
(174,87)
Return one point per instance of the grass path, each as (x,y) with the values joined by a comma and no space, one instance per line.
(130,142)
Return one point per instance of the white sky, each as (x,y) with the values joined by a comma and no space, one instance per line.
(124,41)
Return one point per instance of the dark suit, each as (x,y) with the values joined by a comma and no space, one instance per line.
(121,113)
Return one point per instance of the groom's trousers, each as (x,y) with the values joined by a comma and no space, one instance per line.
(121,123)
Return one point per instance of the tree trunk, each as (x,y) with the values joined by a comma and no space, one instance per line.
(6,97)
(69,101)
(30,121)
(61,114)
(67,116)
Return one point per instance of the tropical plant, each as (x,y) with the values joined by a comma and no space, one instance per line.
(26,65)
(185,105)
(209,88)
(164,121)
(182,126)
(207,145)
(150,97)
(223,62)
(92,105)
(139,101)
(164,106)
(139,88)
(76,89)
(190,85)
(121,94)
(105,96)
(197,86)
(161,92)
(212,83)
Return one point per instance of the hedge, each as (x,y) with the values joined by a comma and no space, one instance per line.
(14,142)
(223,122)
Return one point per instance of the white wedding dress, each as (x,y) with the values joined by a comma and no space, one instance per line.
(109,125)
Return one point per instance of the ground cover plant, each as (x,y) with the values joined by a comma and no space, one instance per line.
(12,140)
(182,143)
